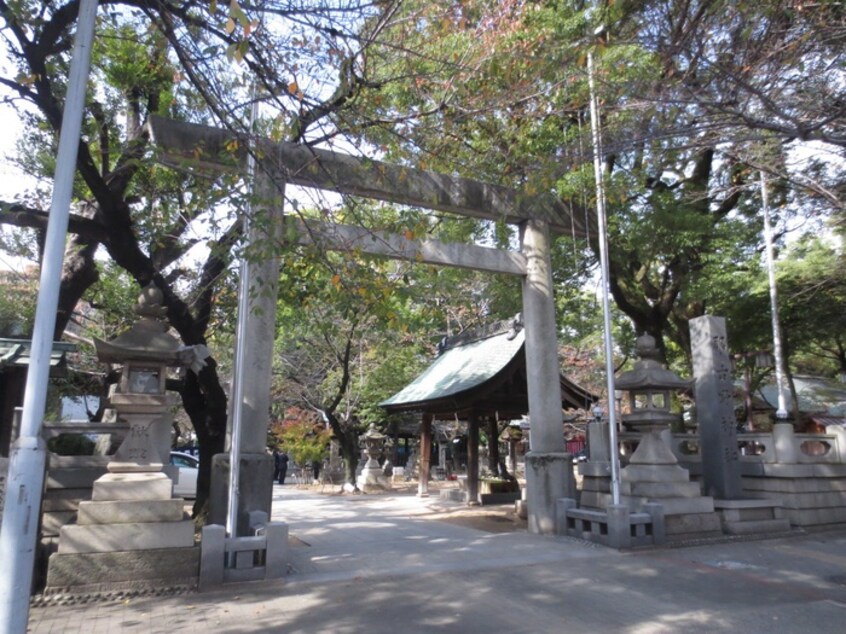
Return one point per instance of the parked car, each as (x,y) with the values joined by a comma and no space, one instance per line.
(186,482)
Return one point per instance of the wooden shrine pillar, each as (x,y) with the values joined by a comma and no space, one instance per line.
(493,446)
(425,455)
(473,459)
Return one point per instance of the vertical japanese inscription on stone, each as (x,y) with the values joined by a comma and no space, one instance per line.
(725,395)
(4,470)
(137,445)
(714,394)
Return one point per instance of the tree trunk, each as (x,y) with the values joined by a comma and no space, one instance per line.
(79,273)
(347,437)
(205,403)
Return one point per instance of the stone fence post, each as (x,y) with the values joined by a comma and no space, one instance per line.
(784,439)
(839,432)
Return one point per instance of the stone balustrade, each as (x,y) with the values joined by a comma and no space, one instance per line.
(781,446)
(804,474)
(52,429)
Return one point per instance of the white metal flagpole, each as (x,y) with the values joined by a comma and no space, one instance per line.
(241,337)
(28,455)
(781,412)
(603,261)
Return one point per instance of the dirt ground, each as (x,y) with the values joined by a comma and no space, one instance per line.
(494,518)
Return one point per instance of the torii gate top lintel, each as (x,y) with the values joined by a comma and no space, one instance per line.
(549,468)
(297,164)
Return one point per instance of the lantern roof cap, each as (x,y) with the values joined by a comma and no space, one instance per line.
(148,339)
(374,433)
(649,372)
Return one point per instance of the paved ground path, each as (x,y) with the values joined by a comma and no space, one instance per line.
(375,564)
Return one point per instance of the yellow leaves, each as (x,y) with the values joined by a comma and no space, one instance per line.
(252,26)
(294,89)
(238,50)
(248,27)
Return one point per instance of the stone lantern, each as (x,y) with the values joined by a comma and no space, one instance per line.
(371,475)
(146,351)
(653,474)
(649,386)
(132,530)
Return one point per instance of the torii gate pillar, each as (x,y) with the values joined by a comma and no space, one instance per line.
(549,469)
(255,474)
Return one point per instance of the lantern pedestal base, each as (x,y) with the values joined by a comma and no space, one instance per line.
(687,513)
(131,534)
(654,476)
(373,479)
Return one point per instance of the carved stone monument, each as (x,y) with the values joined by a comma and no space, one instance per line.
(721,469)
(714,393)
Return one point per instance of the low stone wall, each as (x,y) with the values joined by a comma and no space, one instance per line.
(616,526)
(68,482)
(804,473)
(811,495)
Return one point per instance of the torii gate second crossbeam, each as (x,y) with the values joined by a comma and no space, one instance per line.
(549,472)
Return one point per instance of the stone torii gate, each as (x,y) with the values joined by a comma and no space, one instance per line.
(549,472)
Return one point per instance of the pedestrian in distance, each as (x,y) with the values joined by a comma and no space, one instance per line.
(275,453)
(281,467)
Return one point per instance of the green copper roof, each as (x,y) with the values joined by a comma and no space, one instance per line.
(460,369)
(15,352)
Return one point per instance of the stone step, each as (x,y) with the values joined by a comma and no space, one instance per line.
(700,524)
(132,486)
(756,526)
(674,506)
(52,521)
(816,517)
(131,512)
(654,473)
(98,538)
(64,499)
(121,570)
(73,477)
(657,490)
